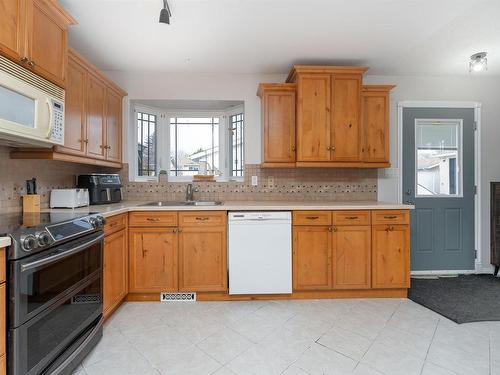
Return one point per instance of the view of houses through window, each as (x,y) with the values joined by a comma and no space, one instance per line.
(185,145)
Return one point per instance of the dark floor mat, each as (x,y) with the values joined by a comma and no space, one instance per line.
(463,299)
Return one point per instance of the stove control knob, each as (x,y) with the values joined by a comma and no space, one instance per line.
(93,222)
(29,242)
(43,238)
(102,220)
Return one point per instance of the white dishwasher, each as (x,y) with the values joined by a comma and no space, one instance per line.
(260,252)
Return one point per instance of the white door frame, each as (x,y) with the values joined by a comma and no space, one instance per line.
(477,169)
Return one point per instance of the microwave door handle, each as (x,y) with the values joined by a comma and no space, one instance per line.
(56,257)
(51,115)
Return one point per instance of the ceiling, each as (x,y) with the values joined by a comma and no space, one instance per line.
(392,37)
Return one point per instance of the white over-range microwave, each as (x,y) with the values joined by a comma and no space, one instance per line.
(31,108)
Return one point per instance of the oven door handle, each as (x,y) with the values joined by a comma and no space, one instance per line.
(65,254)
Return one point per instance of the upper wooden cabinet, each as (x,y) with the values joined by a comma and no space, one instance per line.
(93,119)
(338,121)
(375,123)
(278,123)
(34,33)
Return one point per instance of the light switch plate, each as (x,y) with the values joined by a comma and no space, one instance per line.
(255,181)
(270,182)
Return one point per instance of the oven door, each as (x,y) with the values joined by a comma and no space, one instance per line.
(41,280)
(53,334)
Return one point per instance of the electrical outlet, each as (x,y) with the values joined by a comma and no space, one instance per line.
(255,181)
(270,182)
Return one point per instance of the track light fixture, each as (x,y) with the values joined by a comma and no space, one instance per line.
(165,13)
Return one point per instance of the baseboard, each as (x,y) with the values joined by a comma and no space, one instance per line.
(442,272)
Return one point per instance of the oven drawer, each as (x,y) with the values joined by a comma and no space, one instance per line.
(115,224)
(153,219)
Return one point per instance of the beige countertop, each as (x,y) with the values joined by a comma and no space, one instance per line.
(128,206)
(4,242)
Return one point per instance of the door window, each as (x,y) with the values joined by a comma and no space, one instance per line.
(438,156)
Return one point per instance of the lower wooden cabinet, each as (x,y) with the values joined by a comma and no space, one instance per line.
(3,328)
(391,256)
(352,257)
(203,259)
(153,260)
(312,253)
(115,270)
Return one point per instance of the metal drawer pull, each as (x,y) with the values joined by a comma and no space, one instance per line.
(153,219)
(202,218)
(351,217)
(390,217)
(389,228)
(312,217)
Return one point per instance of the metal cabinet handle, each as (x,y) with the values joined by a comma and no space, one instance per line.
(31,63)
(153,219)
(390,217)
(312,217)
(351,217)
(293,148)
(390,228)
(202,218)
(24,60)
(332,148)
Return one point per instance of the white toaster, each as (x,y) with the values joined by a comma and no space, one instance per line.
(69,198)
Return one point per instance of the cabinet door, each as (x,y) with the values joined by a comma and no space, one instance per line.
(113,126)
(278,117)
(153,260)
(95,115)
(345,135)
(3,318)
(390,256)
(203,259)
(74,127)
(312,253)
(313,117)
(47,42)
(375,126)
(115,270)
(351,257)
(12,28)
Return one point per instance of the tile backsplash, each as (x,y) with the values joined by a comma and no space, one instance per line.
(50,175)
(316,184)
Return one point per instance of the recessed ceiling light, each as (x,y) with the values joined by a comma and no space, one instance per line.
(165,13)
(478,62)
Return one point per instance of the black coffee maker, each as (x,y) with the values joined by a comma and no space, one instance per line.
(103,188)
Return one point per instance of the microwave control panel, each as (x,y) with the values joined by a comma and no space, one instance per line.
(57,122)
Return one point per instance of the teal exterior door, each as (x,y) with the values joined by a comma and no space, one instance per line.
(438,178)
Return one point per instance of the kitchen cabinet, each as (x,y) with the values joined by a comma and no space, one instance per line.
(390,256)
(312,255)
(115,275)
(153,260)
(34,34)
(203,251)
(93,119)
(375,123)
(351,257)
(278,124)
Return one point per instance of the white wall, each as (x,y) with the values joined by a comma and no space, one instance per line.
(244,87)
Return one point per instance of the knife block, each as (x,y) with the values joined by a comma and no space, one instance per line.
(31,203)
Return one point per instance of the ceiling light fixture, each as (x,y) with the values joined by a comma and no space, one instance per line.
(165,13)
(478,62)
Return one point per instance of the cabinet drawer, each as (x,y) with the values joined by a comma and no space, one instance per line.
(115,223)
(3,261)
(351,218)
(153,219)
(390,217)
(312,218)
(205,218)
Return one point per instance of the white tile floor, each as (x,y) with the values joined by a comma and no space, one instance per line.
(324,337)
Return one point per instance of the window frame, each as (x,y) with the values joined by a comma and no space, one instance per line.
(163,141)
(459,162)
